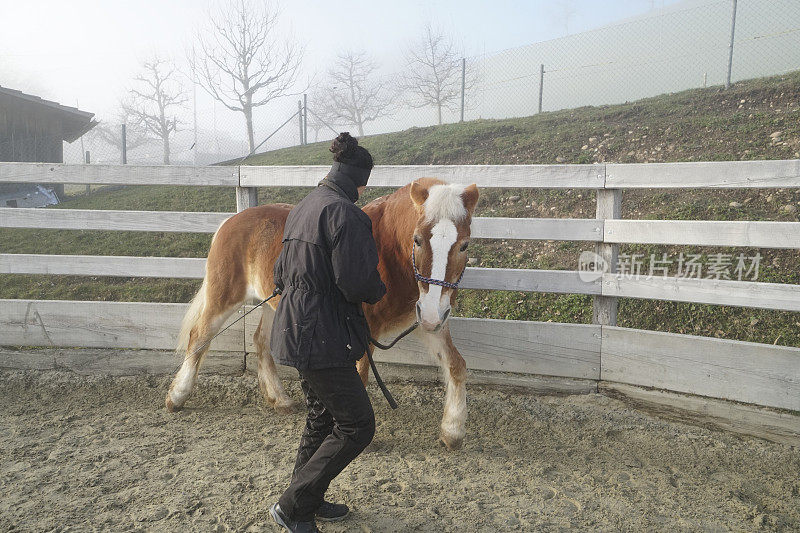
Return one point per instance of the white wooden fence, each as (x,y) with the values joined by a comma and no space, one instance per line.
(760,374)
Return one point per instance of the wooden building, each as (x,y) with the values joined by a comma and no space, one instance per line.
(34,129)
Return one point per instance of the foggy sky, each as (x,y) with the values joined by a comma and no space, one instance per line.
(87,51)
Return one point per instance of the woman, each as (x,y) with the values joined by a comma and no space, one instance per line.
(326,270)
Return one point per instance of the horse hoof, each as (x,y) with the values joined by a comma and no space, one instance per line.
(171,407)
(450,442)
(286,408)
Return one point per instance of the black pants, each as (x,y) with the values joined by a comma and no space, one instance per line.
(340,424)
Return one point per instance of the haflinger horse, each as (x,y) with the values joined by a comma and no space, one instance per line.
(422,232)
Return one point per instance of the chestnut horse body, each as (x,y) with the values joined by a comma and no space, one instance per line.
(429,215)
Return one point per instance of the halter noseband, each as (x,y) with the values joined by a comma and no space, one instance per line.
(432,281)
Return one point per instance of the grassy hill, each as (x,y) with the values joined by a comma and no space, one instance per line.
(757,119)
(701,124)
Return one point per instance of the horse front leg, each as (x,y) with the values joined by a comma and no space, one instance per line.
(455,376)
(362,366)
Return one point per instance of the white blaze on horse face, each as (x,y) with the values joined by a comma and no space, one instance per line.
(435,302)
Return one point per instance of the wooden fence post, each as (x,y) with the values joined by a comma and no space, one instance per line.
(609,205)
(245,197)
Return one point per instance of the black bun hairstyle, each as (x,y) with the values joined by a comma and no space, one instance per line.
(346,150)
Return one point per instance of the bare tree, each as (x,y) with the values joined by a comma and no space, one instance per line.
(110,132)
(352,96)
(319,117)
(317,124)
(152,103)
(242,62)
(433,72)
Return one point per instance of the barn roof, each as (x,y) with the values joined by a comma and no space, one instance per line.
(75,121)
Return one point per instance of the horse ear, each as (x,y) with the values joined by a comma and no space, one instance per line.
(470,196)
(419,193)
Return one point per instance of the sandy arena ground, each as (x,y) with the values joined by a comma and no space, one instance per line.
(98,453)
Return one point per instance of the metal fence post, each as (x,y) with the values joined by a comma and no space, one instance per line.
(541,85)
(124,146)
(87,158)
(463,85)
(305,118)
(194,121)
(730,48)
(300,119)
(609,205)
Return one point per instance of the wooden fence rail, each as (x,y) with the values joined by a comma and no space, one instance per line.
(778,296)
(722,174)
(677,232)
(557,229)
(704,233)
(749,372)
(527,176)
(89,219)
(118,174)
(746,372)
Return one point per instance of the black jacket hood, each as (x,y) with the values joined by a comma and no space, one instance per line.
(348,178)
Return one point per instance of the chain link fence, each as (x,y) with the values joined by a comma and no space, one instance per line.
(670,51)
(688,45)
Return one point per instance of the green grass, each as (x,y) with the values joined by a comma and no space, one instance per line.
(97,288)
(705,124)
(702,124)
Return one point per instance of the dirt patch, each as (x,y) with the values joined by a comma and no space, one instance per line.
(82,453)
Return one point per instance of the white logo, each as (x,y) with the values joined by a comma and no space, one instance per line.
(591,266)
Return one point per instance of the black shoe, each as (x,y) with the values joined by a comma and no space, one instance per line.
(294,527)
(332,512)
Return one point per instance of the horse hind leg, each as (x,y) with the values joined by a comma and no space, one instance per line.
(268,381)
(207,324)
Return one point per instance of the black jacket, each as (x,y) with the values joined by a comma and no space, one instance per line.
(326,269)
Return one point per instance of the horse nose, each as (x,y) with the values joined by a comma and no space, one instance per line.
(435,325)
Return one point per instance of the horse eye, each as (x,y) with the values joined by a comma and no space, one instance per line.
(464,246)
(417,240)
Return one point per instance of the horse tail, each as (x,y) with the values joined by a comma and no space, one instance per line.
(197,306)
(191,317)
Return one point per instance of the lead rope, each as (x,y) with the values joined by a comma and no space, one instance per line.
(419,277)
(378,380)
(220,332)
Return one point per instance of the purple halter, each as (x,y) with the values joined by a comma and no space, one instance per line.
(432,281)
